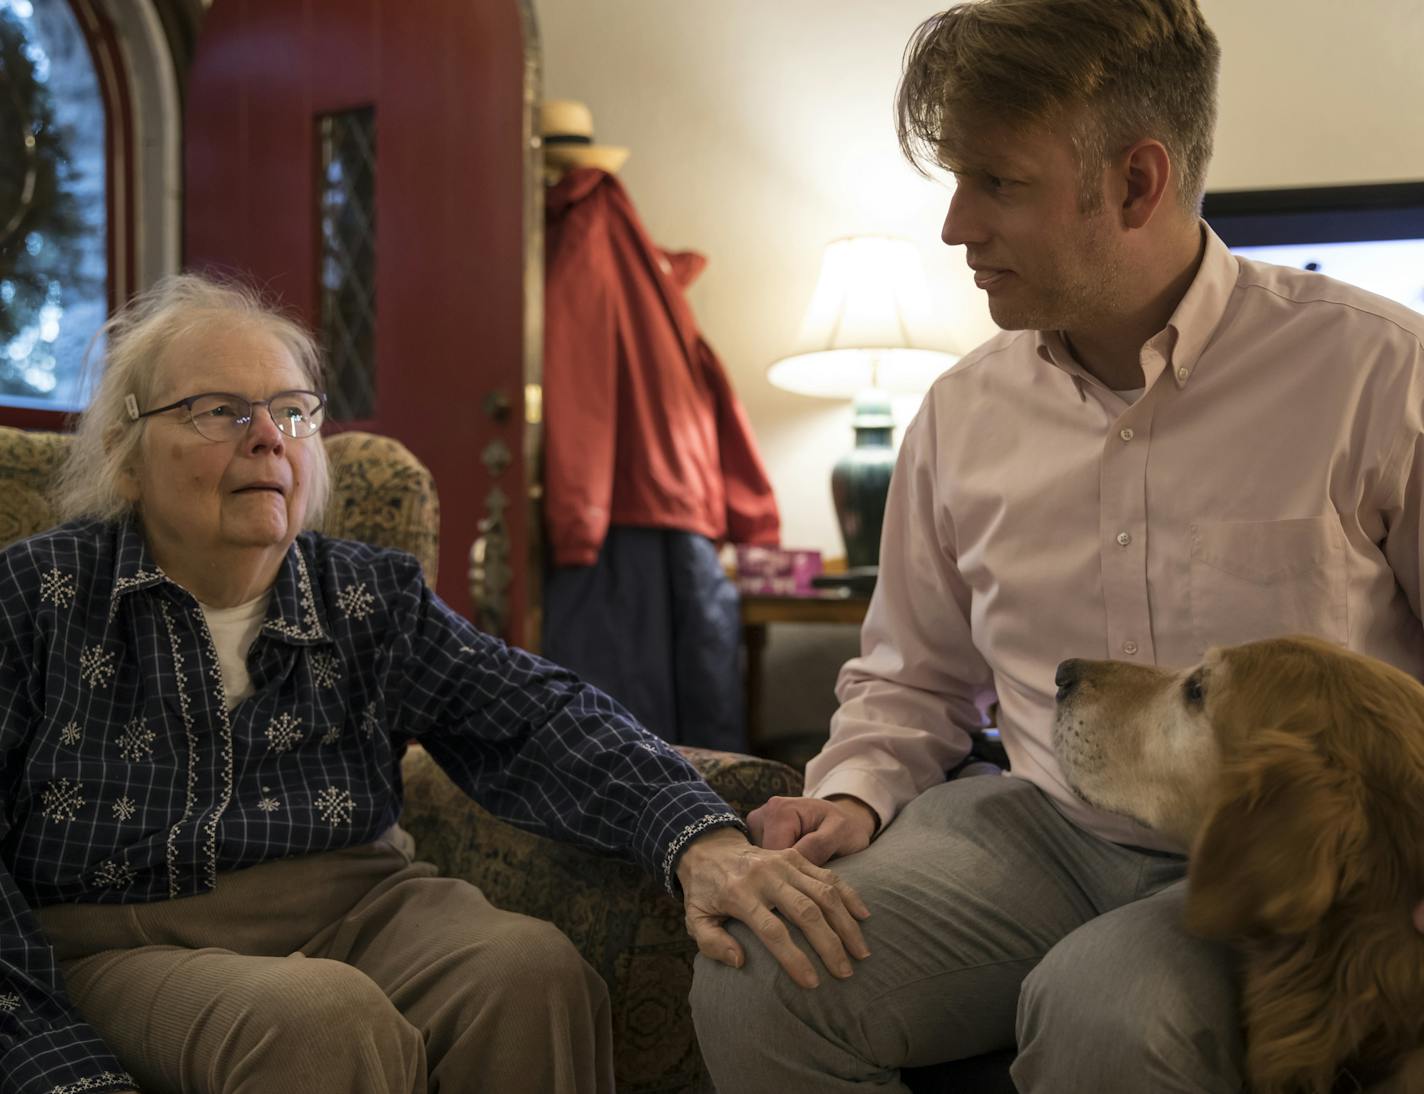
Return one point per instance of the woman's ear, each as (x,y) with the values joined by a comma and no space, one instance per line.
(128,474)
(1270,856)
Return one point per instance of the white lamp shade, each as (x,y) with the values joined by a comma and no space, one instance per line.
(862,326)
(842,373)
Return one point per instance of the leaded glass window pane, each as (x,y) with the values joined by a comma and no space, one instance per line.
(348,259)
(53,224)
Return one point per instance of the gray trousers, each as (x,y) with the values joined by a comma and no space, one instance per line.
(993,920)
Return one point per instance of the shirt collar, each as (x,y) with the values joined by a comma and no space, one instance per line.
(295,614)
(134,567)
(1199,314)
(1178,346)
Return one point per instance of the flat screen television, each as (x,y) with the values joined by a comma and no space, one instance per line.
(1370,235)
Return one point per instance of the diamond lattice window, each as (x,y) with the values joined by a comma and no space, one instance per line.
(348,259)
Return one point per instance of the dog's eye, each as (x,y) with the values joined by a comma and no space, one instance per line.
(1192,690)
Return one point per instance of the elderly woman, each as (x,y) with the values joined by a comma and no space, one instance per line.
(202,714)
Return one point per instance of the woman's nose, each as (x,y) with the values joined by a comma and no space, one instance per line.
(262,432)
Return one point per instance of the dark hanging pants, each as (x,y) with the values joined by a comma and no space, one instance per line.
(655,623)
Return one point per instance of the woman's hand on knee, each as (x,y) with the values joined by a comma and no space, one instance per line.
(725,877)
(819,828)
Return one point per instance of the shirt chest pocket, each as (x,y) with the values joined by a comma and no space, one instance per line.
(1260,579)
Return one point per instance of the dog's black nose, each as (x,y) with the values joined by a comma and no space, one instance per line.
(1066,677)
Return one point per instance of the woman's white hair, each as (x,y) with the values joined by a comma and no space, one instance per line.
(137,338)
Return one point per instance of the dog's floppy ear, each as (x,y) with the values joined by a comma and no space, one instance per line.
(1270,856)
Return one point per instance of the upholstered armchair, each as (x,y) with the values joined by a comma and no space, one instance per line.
(619,918)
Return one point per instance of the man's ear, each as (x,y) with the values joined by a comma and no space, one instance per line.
(1271,854)
(1148,179)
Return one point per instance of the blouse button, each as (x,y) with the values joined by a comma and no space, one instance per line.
(1129,647)
(1126,434)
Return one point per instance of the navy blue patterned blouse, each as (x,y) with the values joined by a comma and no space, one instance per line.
(124,777)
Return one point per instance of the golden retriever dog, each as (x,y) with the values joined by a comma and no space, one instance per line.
(1293,770)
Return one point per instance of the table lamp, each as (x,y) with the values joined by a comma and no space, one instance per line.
(859,341)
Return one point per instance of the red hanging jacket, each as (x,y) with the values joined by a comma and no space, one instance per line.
(641,426)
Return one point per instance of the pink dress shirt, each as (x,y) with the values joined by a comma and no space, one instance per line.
(1268,481)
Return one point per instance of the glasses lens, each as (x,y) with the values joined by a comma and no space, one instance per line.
(220,417)
(297,413)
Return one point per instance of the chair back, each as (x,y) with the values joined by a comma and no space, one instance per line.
(380,493)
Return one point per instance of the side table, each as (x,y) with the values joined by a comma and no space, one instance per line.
(759,612)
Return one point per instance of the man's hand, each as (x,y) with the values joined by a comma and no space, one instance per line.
(820,828)
(724,877)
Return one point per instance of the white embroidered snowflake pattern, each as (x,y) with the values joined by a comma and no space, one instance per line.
(370,721)
(355,601)
(108,1080)
(96,666)
(114,875)
(325,670)
(58,588)
(335,806)
(9,1003)
(332,735)
(124,808)
(70,734)
(61,801)
(284,732)
(312,627)
(691,832)
(136,741)
(268,804)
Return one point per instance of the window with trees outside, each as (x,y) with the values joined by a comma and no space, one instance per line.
(53,228)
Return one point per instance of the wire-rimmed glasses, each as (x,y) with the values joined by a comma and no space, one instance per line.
(222,416)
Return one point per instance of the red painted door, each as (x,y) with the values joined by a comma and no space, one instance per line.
(419,110)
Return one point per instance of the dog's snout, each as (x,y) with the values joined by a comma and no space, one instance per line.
(1067,677)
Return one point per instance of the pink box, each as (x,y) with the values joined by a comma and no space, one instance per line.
(776,571)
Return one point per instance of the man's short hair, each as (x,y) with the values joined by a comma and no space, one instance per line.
(1113,71)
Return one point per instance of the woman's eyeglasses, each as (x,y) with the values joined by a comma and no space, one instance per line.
(220,416)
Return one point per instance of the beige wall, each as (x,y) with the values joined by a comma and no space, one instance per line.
(761,130)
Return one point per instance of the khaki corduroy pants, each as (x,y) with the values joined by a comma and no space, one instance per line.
(353,972)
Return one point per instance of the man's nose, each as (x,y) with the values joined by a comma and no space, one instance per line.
(960,226)
(1067,677)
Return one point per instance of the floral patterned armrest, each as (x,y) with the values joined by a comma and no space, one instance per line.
(382,494)
(619,917)
(28,461)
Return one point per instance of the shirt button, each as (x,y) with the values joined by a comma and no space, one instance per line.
(1123,539)
(1182,374)
(1126,434)
(1129,647)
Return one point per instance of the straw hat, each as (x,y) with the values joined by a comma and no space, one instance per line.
(566,127)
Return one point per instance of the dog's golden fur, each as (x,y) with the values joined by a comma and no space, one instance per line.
(1294,772)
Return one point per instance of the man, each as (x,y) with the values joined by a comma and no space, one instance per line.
(1165,449)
